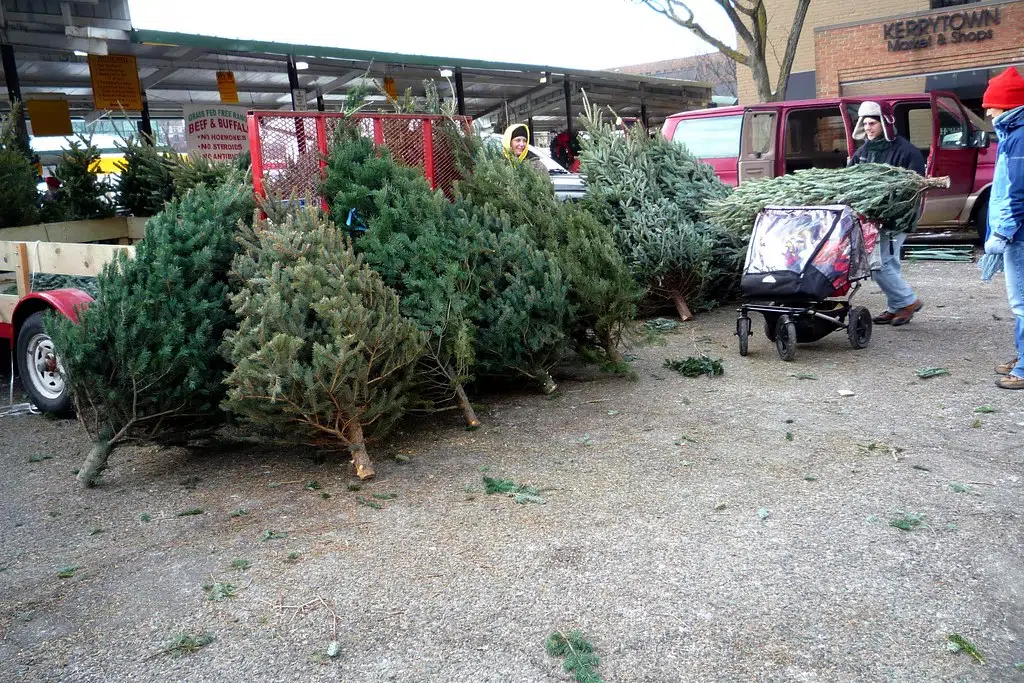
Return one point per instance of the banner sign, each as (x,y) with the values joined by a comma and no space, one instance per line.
(955,27)
(227,87)
(217,132)
(50,117)
(115,82)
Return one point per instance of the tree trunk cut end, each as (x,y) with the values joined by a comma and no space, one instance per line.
(681,306)
(357,449)
(467,408)
(95,462)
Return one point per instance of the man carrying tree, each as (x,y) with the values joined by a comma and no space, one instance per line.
(881,147)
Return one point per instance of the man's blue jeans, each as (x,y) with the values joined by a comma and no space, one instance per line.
(898,293)
(1013,264)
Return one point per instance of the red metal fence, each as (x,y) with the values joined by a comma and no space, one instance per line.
(289,149)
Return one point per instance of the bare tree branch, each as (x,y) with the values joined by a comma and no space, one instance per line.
(667,8)
(751,21)
(717,69)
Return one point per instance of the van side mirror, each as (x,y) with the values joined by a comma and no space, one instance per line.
(979,139)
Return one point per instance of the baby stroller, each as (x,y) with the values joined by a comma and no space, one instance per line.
(803,267)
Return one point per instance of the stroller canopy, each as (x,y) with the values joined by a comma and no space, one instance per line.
(807,252)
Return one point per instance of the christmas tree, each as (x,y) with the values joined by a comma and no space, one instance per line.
(142,360)
(145,181)
(421,248)
(652,192)
(525,310)
(887,194)
(82,194)
(193,170)
(19,200)
(321,343)
(602,292)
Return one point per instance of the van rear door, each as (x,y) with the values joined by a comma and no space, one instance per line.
(715,140)
(850,107)
(951,155)
(758,144)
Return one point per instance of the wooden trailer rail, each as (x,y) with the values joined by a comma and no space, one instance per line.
(126,230)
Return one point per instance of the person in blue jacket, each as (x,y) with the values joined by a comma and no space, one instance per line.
(880,148)
(1004,102)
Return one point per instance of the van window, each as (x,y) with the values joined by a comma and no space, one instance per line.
(914,122)
(953,131)
(815,138)
(919,127)
(710,138)
(762,134)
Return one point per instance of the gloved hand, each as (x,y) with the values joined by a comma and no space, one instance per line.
(995,244)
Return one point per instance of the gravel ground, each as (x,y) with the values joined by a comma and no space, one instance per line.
(652,541)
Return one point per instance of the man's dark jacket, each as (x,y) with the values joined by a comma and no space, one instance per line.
(900,153)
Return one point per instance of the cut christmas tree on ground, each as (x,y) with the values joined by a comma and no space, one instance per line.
(602,293)
(652,193)
(423,249)
(321,344)
(142,361)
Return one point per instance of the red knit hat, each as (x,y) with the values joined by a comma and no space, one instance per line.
(1005,91)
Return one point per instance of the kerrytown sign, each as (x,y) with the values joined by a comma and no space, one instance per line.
(954,27)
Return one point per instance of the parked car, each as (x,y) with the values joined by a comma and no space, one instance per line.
(767,140)
(568,186)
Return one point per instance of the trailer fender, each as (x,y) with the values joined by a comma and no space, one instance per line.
(67,302)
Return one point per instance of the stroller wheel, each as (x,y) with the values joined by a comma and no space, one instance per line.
(858,327)
(785,338)
(743,332)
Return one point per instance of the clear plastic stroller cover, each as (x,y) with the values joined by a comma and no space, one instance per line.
(828,239)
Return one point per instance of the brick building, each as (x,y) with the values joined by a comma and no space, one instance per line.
(901,46)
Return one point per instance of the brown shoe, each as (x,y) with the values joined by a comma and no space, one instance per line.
(1007,367)
(1010,382)
(905,314)
(884,319)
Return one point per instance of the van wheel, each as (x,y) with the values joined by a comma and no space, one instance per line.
(981,219)
(42,375)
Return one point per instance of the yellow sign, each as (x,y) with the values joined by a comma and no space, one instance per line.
(227,87)
(390,88)
(50,117)
(115,82)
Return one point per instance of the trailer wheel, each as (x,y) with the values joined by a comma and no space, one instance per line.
(785,338)
(42,375)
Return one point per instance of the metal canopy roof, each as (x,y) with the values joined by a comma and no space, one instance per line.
(179,68)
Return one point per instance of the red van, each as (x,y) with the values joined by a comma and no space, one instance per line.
(767,140)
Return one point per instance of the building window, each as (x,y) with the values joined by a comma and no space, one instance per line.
(715,137)
(940,4)
(801,86)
